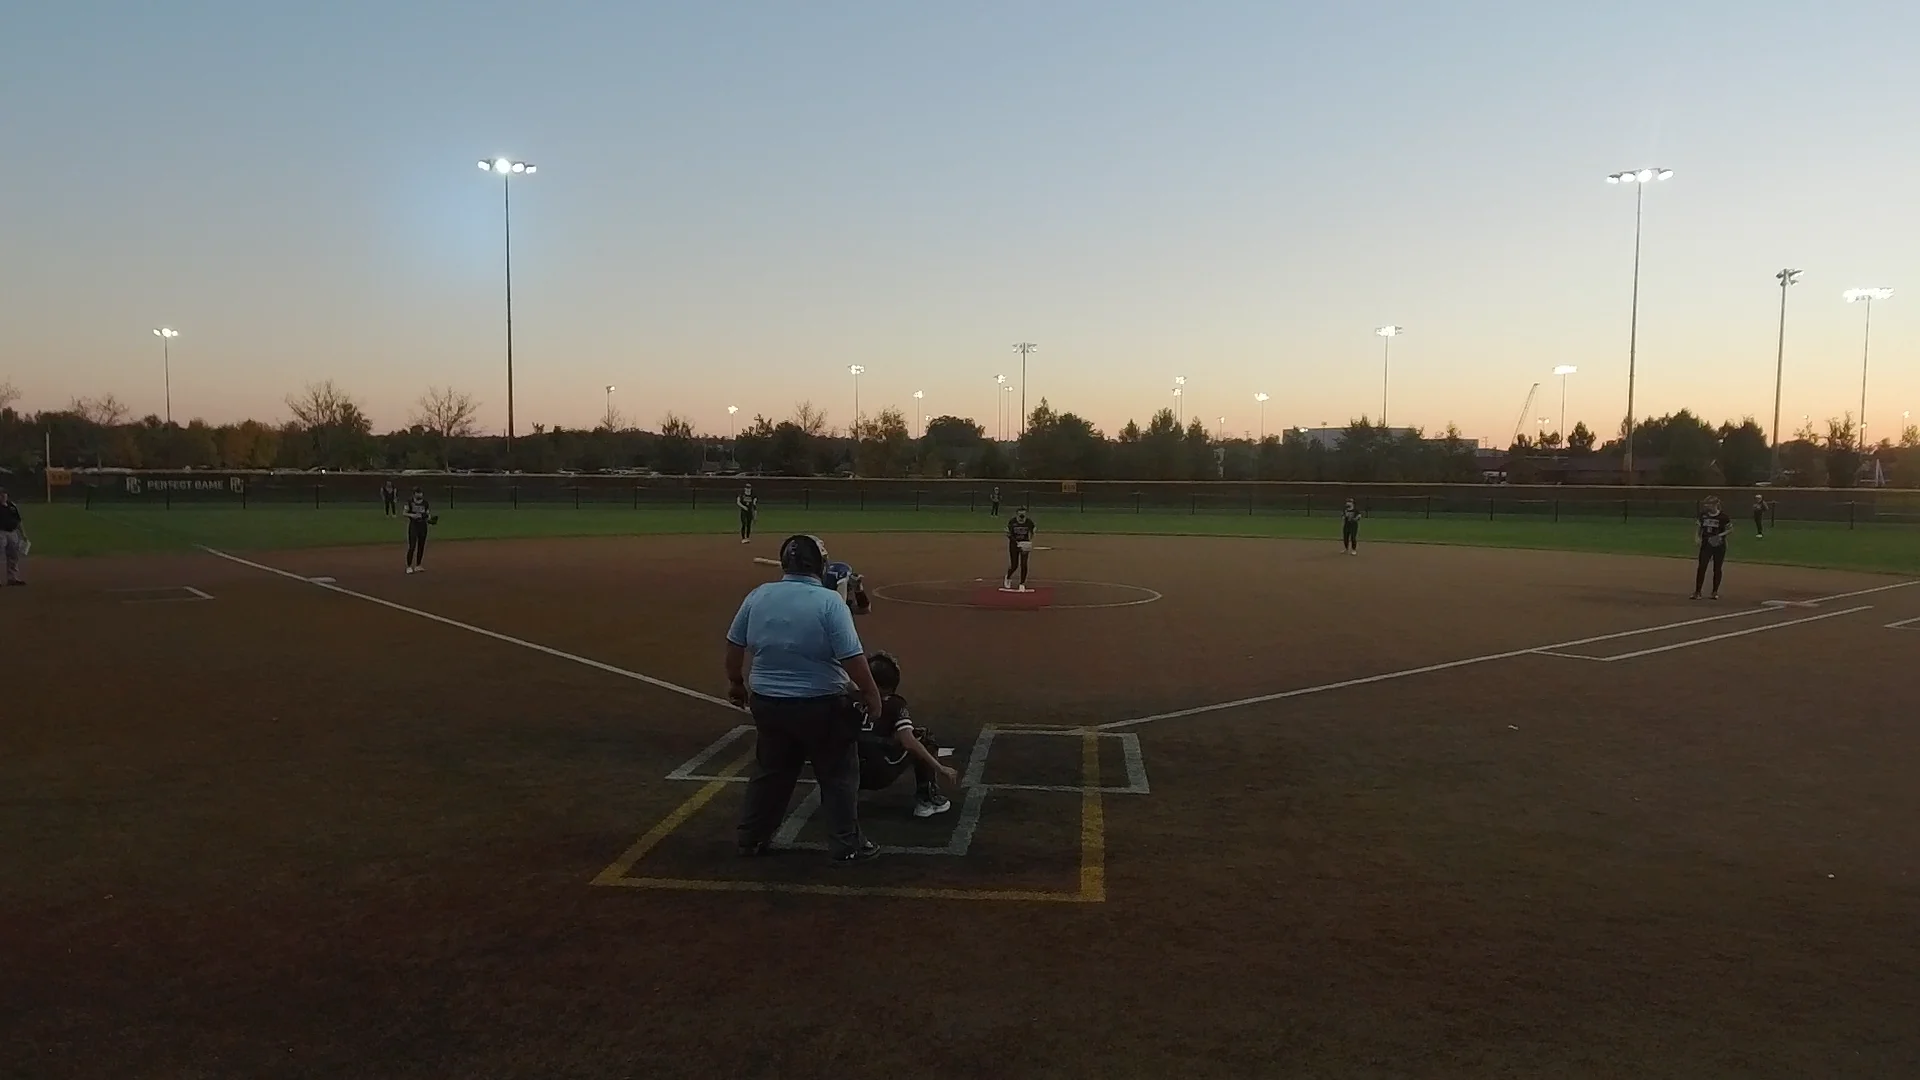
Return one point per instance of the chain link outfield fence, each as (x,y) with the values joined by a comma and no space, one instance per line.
(320,491)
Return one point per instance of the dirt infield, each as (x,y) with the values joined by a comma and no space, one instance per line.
(1459,813)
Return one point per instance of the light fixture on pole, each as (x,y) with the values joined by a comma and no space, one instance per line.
(919,410)
(1008,425)
(1024,348)
(166,334)
(1000,407)
(1639,179)
(507,169)
(856,371)
(1387,334)
(731,409)
(1855,296)
(610,389)
(1563,371)
(1220,431)
(1179,385)
(1786,278)
(1262,399)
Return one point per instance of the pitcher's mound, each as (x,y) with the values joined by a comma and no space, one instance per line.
(987,593)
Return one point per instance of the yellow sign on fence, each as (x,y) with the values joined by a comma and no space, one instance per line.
(59,477)
(1068,487)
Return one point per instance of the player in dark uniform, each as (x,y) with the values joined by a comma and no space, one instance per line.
(889,745)
(993,502)
(1020,530)
(1759,517)
(749,509)
(1713,528)
(1350,529)
(419,517)
(850,584)
(389,498)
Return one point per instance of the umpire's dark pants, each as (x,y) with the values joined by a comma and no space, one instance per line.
(793,732)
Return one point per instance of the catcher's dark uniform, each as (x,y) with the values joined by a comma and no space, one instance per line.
(883,759)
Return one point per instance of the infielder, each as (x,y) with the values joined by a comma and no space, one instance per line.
(749,509)
(1020,530)
(1712,528)
(1350,529)
(13,538)
(419,517)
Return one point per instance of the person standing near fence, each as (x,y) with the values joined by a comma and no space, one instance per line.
(1350,529)
(13,538)
(420,517)
(389,496)
(993,502)
(749,509)
(1759,517)
(795,639)
(1713,527)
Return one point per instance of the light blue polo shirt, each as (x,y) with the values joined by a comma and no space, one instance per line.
(794,631)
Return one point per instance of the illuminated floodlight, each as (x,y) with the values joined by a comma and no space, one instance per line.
(1390,331)
(1854,296)
(1262,398)
(1565,369)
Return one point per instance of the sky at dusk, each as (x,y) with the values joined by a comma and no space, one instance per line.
(737,201)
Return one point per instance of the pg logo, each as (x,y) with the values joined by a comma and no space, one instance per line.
(133,485)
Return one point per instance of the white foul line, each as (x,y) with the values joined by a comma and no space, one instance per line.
(482,631)
(1303,691)
(1730,634)
(1902,624)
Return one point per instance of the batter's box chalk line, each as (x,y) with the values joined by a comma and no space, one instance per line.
(184,594)
(696,767)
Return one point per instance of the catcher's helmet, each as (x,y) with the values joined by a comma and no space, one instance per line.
(886,670)
(803,554)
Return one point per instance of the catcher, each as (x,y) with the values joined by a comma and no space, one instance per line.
(420,517)
(890,744)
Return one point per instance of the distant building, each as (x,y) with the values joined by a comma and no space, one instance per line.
(1329,438)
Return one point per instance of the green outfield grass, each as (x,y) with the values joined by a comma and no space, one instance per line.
(67,530)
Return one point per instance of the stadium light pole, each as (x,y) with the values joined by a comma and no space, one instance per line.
(856,371)
(731,409)
(919,411)
(166,334)
(1000,408)
(1786,278)
(610,389)
(1387,334)
(1563,371)
(1007,426)
(1179,390)
(1262,399)
(1639,179)
(1024,348)
(507,169)
(1868,296)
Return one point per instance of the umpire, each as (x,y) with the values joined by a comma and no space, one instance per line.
(804,654)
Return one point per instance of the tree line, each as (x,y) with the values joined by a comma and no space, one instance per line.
(327,428)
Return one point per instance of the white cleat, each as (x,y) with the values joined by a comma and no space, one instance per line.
(409,569)
(744,540)
(926,808)
(1006,585)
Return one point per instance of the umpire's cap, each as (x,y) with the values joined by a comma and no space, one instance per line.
(803,553)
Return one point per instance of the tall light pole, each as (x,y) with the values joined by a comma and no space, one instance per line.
(1786,278)
(1563,371)
(919,411)
(166,334)
(1179,391)
(731,409)
(610,389)
(1000,407)
(1855,296)
(507,169)
(1024,348)
(1387,334)
(1008,425)
(1639,179)
(1262,399)
(856,371)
